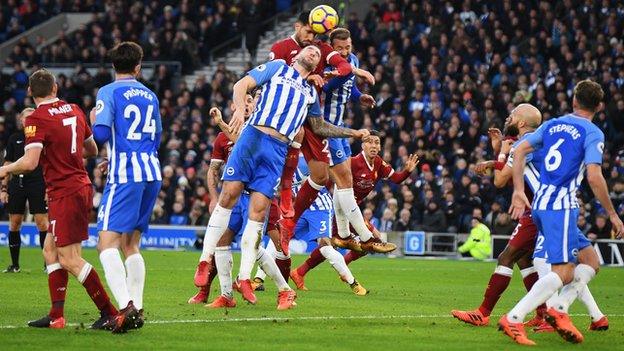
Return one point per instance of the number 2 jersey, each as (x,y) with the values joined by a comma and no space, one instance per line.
(60,129)
(568,144)
(132,112)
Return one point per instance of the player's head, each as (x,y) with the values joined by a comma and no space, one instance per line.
(42,84)
(588,96)
(525,117)
(126,58)
(303,32)
(371,145)
(309,57)
(22,116)
(340,40)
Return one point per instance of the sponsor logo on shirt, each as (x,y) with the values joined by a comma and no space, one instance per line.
(29,131)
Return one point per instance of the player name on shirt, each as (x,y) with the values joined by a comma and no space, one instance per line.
(133,92)
(567,128)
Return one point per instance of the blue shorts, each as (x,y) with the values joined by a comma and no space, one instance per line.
(257,160)
(127,207)
(313,225)
(339,151)
(559,239)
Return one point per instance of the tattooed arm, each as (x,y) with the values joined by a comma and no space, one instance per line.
(322,128)
(212,180)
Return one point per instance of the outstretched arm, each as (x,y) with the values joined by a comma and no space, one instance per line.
(325,129)
(24,164)
(599,187)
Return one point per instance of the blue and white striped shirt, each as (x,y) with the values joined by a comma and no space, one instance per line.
(286,99)
(568,143)
(324,200)
(534,162)
(338,91)
(132,112)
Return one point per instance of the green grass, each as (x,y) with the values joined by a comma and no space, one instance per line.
(408,308)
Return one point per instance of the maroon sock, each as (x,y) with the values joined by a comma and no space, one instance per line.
(497,285)
(98,294)
(212,273)
(529,281)
(305,197)
(292,160)
(312,261)
(57,283)
(352,256)
(284,267)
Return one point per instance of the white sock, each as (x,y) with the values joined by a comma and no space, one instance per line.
(543,269)
(223,261)
(135,267)
(351,210)
(249,248)
(582,275)
(541,291)
(115,274)
(217,225)
(337,261)
(342,222)
(528,271)
(269,266)
(270,250)
(503,270)
(586,297)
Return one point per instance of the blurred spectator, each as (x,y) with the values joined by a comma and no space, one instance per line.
(434,219)
(600,229)
(582,224)
(404,223)
(503,225)
(387,221)
(178,217)
(368,215)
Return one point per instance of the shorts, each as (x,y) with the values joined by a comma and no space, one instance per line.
(339,151)
(314,147)
(525,234)
(275,214)
(562,240)
(257,160)
(313,225)
(69,217)
(34,193)
(127,207)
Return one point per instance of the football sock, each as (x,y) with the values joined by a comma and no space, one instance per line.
(115,274)
(541,291)
(135,268)
(499,281)
(342,222)
(57,284)
(284,263)
(353,256)
(42,236)
(336,260)
(351,210)
(305,197)
(217,225)
(252,235)
(89,278)
(586,297)
(543,268)
(223,262)
(582,275)
(268,265)
(529,278)
(270,250)
(290,166)
(312,261)
(15,242)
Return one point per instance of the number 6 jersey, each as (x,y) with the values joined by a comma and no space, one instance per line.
(60,129)
(132,112)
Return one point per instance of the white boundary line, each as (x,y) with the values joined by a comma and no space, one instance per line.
(284,319)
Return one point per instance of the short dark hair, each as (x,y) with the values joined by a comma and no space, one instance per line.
(41,83)
(339,34)
(126,56)
(588,94)
(374,132)
(304,17)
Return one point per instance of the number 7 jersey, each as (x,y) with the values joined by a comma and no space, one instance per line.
(132,112)
(568,144)
(60,129)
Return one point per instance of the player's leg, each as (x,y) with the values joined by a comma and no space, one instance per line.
(283,261)
(42,223)
(286,296)
(258,281)
(290,166)
(336,260)
(15,241)
(38,206)
(223,262)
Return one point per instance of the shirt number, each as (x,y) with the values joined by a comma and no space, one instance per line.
(71,121)
(148,128)
(553,157)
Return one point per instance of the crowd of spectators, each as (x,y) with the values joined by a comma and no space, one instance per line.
(445,73)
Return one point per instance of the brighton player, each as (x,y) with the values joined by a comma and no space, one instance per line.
(367,169)
(127,119)
(258,157)
(571,144)
(58,135)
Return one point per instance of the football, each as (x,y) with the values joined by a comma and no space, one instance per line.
(323,19)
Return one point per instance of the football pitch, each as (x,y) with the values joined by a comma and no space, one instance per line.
(408,308)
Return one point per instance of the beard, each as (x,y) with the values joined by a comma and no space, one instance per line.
(308,65)
(511,131)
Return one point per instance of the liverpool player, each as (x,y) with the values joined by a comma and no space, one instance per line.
(367,169)
(58,136)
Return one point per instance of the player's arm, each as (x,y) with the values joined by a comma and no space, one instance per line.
(212,180)
(335,83)
(102,116)
(364,74)
(503,167)
(364,99)
(325,129)
(24,164)
(400,176)
(215,113)
(342,66)
(90,148)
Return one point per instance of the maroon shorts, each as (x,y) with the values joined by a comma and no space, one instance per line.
(69,217)
(275,214)
(314,147)
(525,234)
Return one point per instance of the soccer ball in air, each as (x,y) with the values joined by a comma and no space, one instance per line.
(322,19)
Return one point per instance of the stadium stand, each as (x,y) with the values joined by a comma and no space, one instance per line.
(445,71)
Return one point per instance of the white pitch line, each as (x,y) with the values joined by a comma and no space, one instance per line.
(284,319)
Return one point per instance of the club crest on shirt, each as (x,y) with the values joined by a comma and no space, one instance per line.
(30,131)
